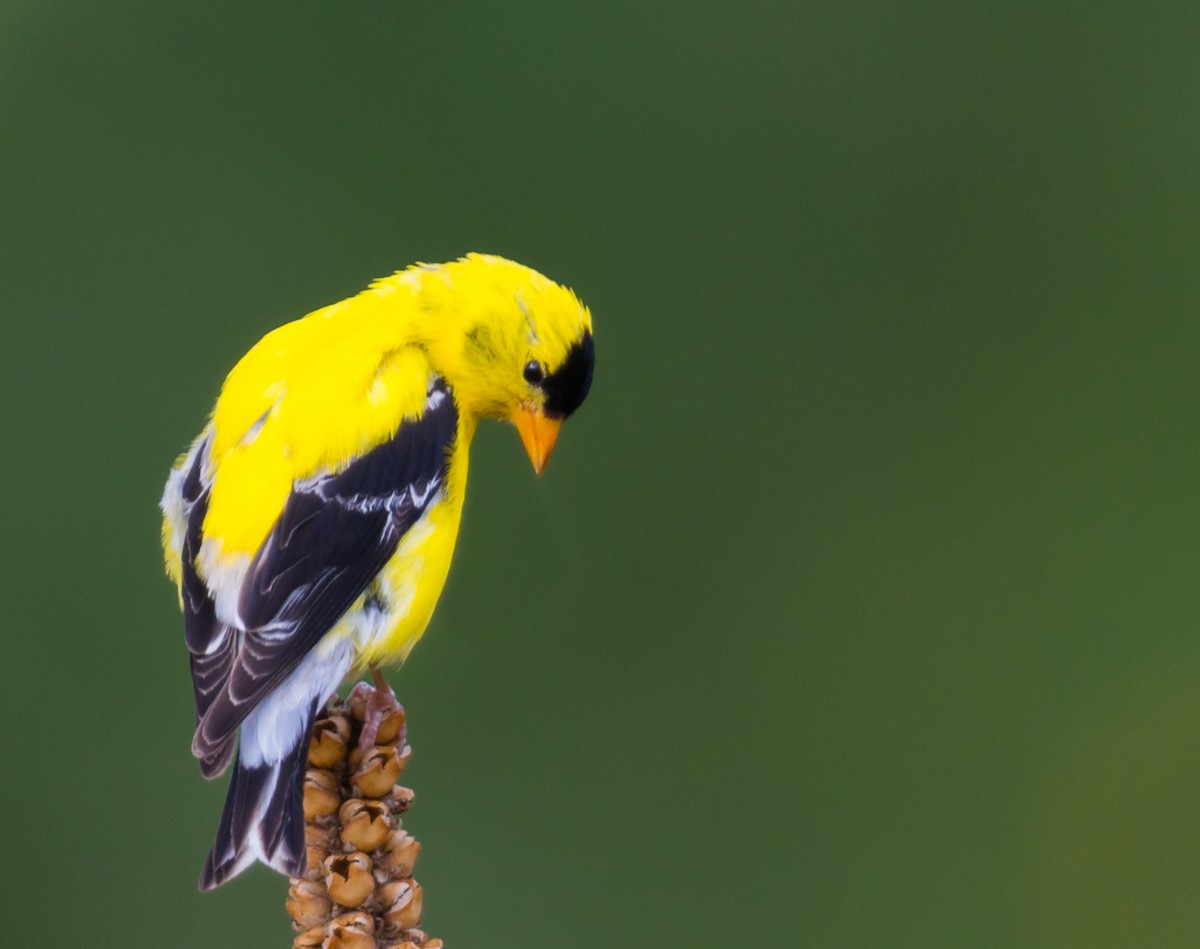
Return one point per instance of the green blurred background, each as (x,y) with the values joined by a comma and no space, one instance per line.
(858,606)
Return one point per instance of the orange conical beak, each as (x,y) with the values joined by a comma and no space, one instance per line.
(538,434)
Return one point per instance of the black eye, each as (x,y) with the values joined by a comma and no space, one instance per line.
(534,373)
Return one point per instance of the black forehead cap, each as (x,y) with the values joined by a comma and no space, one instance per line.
(567,386)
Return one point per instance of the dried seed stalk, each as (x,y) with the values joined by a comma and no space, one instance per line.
(357,891)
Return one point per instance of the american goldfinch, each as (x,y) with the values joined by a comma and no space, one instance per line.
(310,526)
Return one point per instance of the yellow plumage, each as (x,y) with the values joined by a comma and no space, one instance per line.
(311,526)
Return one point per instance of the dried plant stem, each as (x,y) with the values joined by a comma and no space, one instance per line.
(357,891)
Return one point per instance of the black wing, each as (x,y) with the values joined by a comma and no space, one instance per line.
(211,643)
(334,535)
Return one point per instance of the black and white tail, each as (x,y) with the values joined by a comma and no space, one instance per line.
(263,819)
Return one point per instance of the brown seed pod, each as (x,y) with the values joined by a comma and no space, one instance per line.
(318,841)
(399,853)
(365,824)
(321,794)
(308,903)
(380,768)
(351,931)
(356,702)
(402,901)
(349,878)
(400,799)
(330,742)
(310,939)
(391,727)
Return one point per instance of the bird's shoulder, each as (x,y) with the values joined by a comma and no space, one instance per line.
(308,400)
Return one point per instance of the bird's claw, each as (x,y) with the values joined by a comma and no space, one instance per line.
(383,716)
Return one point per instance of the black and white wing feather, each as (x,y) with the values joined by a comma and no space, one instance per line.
(212,644)
(333,536)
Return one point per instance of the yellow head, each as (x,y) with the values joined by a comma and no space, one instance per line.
(511,343)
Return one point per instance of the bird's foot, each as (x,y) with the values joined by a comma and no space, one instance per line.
(383,716)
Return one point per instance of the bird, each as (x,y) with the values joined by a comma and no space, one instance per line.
(310,526)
